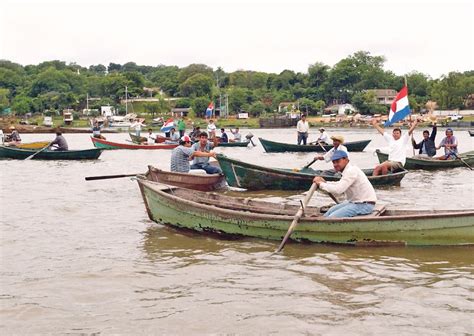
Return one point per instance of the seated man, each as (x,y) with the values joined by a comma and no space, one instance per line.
(14,136)
(359,192)
(203,145)
(427,147)
(236,134)
(397,154)
(323,138)
(337,142)
(96,131)
(174,137)
(450,144)
(151,138)
(224,138)
(60,142)
(181,155)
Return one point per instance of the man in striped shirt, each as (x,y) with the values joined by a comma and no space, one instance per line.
(181,155)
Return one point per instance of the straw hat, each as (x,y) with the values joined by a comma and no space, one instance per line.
(12,127)
(339,138)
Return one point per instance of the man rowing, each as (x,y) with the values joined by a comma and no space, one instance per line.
(337,142)
(323,138)
(60,142)
(450,144)
(397,143)
(354,184)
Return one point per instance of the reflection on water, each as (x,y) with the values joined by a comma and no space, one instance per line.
(83,258)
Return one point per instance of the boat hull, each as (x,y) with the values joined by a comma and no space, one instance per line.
(432,164)
(140,139)
(170,207)
(471,132)
(252,177)
(279,147)
(207,182)
(104,144)
(21,154)
(234,144)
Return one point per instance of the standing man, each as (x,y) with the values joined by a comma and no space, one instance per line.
(397,153)
(359,192)
(205,146)
(337,142)
(427,146)
(450,144)
(211,129)
(302,128)
(181,127)
(181,155)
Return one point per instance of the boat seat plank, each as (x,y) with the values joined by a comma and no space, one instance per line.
(379,210)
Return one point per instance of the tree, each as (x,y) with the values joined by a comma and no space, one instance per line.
(194,69)
(317,74)
(4,101)
(166,77)
(256,108)
(197,85)
(22,105)
(183,103)
(199,105)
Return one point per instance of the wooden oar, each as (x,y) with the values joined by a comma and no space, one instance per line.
(104,177)
(320,145)
(297,216)
(462,160)
(309,164)
(42,149)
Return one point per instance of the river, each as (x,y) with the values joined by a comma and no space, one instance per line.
(82,258)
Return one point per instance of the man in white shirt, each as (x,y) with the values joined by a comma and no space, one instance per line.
(397,153)
(151,138)
(360,195)
(323,137)
(303,128)
(337,142)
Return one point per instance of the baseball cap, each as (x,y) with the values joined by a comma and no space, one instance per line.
(338,154)
(185,138)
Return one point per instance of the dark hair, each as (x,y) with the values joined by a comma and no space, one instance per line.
(58,132)
(397,129)
(150,129)
(204,134)
(426,132)
(223,129)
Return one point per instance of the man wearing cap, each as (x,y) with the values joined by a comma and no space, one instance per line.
(397,153)
(450,144)
(14,136)
(181,155)
(426,146)
(360,194)
(323,137)
(202,162)
(302,128)
(337,142)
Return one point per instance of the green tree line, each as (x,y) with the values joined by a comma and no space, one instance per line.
(55,85)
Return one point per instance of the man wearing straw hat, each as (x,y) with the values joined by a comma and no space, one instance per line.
(14,136)
(337,142)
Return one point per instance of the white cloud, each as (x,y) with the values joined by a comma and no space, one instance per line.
(432,37)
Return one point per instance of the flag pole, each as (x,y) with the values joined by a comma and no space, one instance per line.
(412,140)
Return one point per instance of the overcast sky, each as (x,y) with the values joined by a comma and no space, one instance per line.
(433,37)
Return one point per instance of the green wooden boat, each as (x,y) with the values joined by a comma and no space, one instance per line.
(214,213)
(278,147)
(233,144)
(252,177)
(21,154)
(432,164)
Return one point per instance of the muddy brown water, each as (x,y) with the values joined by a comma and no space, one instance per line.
(83,258)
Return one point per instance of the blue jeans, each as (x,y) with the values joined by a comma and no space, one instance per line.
(349,209)
(207,167)
(302,137)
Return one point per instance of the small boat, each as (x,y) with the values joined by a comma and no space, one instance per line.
(203,182)
(252,177)
(141,139)
(278,147)
(21,154)
(29,145)
(233,144)
(471,132)
(105,144)
(214,213)
(432,164)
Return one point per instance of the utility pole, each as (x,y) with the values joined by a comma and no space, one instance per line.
(126,97)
